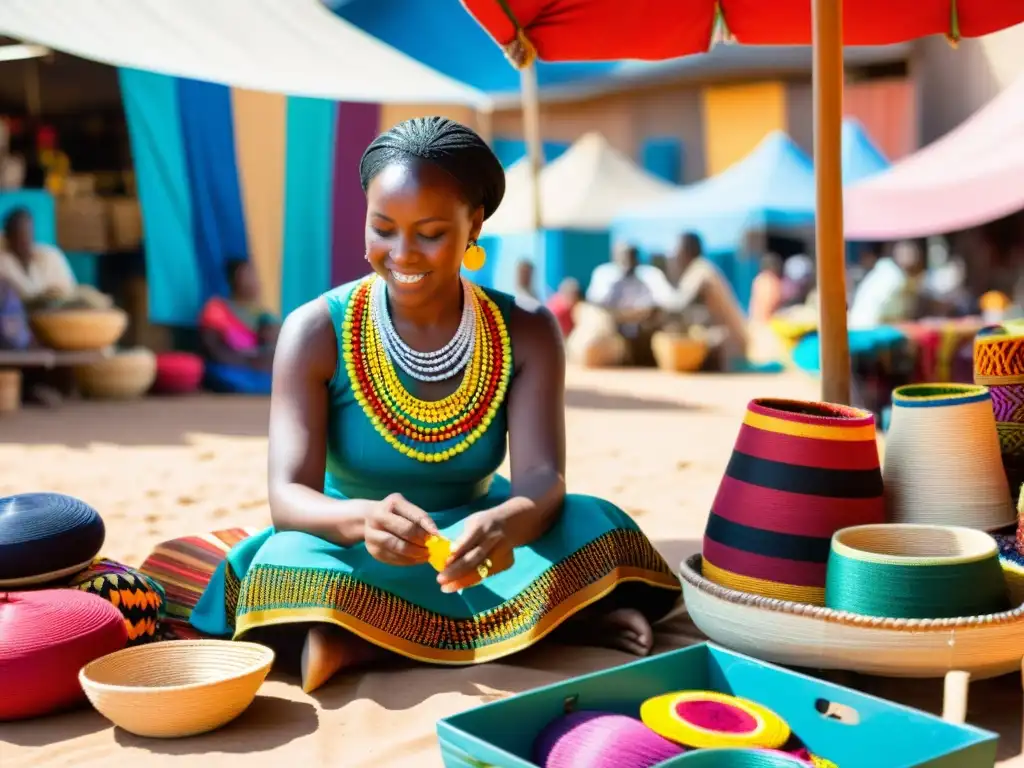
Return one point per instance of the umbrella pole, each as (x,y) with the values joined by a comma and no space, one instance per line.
(833,342)
(531,132)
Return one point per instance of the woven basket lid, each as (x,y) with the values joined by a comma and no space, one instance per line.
(799,472)
(48,635)
(46,534)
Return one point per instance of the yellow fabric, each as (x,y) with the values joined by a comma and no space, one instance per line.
(260,132)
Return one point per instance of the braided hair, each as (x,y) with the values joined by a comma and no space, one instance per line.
(453,147)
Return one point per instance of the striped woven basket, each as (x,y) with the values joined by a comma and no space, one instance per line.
(942,460)
(799,472)
(999,364)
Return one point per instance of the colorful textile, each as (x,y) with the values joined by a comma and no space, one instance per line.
(290,577)
(14,330)
(237,328)
(182,568)
(798,473)
(138,597)
(236,380)
(1008,402)
(228,173)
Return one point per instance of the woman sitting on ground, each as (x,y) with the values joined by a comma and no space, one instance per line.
(394,398)
(238,336)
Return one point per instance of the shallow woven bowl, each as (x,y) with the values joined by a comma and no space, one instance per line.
(124,376)
(176,689)
(678,354)
(79,330)
(801,635)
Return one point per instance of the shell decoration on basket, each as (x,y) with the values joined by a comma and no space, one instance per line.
(814,556)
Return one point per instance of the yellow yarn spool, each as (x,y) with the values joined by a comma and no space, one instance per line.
(707,719)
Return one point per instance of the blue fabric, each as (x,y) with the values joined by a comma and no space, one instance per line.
(306,255)
(865,341)
(236,380)
(218,223)
(664,158)
(773,186)
(158,154)
(85,267)
(37,202)
(510,151)
(861,158)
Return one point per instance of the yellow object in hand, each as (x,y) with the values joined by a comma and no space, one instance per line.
(440,549)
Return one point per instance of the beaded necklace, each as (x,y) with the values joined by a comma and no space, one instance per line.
(428,431)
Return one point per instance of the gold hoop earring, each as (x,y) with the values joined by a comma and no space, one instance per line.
(475,257)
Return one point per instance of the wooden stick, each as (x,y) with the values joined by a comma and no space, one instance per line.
(531,132)
(954,697)
(833,344)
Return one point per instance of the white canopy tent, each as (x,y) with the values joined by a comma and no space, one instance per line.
(297,47)
(584,189)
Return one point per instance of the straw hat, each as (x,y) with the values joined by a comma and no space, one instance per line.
(47,636)
(45,537)
(942,460)
(799,635)
(799,472)
(177,689)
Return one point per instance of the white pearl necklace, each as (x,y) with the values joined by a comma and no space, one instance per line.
(438,365)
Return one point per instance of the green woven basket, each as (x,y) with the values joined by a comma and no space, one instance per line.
(915,572)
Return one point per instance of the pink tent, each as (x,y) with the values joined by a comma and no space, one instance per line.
(970,176)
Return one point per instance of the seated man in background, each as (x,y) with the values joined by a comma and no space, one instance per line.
(238,336)
(626,302)
(524,294)
(39,273)
(703,284)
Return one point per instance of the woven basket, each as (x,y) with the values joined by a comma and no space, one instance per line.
(176,689)
(10,391)
(79,330)
(942,459)
(915,572)
(677,353)
(799,472)
(799,635)
(123,376)
(999,355)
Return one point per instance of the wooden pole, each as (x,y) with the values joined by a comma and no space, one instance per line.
(833,342)
(531,132)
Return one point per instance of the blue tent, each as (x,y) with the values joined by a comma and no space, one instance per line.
(773,186)
(861,158)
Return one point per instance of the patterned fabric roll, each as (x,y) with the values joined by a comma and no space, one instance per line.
(139,599)
(1008,402)
(999,355)
(799,472)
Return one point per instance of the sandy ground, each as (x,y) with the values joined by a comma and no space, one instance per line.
(157,469)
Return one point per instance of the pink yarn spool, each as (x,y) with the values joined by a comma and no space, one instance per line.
(601,740)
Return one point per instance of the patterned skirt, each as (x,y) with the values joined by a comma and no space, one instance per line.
(290,577)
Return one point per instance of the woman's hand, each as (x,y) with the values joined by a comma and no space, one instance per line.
(396,531)
(482,550)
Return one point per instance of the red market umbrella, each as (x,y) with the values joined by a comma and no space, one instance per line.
(582,30)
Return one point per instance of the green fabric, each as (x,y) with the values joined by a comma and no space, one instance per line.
(593,543)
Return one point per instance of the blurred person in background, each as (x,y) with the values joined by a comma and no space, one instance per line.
(892,291)
(39,273)
(524,293)
(704,291)
(563,304)
(797,280)
(238,336)
(766,292)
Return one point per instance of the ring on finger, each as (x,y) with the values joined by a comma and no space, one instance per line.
(484,569)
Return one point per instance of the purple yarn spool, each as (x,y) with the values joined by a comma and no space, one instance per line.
(1008,402)
(601,740)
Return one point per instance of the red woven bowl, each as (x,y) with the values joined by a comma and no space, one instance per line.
(47,637)
(178,373)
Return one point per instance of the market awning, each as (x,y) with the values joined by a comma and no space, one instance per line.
(296,47)
(970,176)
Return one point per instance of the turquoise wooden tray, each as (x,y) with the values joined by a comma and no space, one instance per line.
(852,729)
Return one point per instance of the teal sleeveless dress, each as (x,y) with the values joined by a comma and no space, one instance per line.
(593,550)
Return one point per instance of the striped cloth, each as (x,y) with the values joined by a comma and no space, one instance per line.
(798,473)
(183,567)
